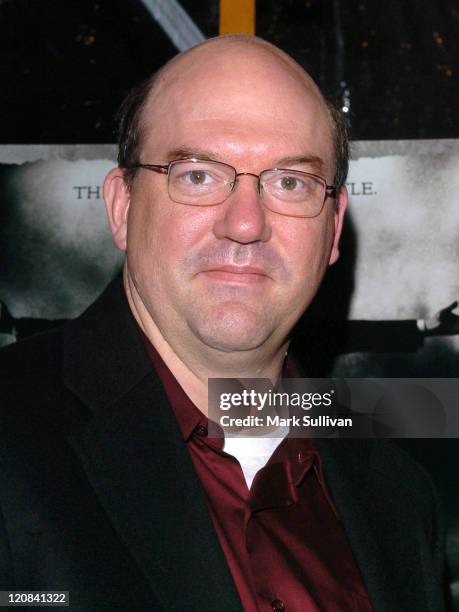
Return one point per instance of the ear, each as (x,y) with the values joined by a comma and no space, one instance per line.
(341,205)
(117,200)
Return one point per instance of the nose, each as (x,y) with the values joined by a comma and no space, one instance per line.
(243,217)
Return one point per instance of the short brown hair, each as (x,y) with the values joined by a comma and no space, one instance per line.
(341,144)
(129,132)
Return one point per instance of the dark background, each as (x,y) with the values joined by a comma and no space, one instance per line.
(66,65)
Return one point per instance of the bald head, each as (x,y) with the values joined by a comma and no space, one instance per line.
(242,74)
(230,48)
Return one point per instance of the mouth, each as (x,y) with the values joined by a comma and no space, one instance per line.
(237,274)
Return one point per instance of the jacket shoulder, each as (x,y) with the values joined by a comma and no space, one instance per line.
(31,388)
(34,357)
(390,459)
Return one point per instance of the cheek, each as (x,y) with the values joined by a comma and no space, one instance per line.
(161,233)
(307,246)
(141,228)
(189,226)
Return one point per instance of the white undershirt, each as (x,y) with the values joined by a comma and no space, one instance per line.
(253,452)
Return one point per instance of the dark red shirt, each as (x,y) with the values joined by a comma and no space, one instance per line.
(283,539)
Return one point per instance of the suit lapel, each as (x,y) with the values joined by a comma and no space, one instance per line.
(137,462)
(346,470)
(384,528)
(346,475)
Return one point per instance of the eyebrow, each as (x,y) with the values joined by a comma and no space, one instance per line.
(316,162)
(187,153)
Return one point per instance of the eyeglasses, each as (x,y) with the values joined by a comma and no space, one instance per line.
(207,183)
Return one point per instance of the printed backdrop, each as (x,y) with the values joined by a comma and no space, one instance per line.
(400,249)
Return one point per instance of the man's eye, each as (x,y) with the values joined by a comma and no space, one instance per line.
(198,177)
(290,183)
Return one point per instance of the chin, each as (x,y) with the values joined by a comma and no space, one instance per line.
(233,330)
(231,344)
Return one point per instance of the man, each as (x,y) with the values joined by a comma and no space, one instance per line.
(229,203)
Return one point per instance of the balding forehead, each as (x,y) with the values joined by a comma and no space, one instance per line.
(239,44)
(249,50)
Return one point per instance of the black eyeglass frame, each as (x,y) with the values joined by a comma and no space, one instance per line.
(329,190)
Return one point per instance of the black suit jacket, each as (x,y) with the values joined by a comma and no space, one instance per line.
(98,494)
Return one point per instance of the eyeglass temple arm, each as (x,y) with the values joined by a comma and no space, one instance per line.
(154,167)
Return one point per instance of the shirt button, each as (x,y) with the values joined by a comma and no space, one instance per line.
(201,430)
(278,605)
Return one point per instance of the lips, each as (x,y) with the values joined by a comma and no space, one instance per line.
(237,274)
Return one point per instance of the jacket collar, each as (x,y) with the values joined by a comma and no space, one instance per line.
(104,356)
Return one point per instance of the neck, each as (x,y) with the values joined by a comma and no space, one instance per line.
(193,363)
